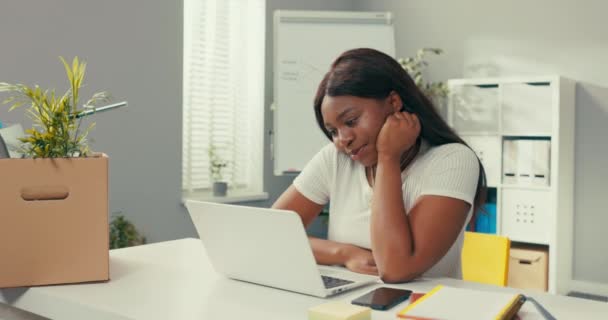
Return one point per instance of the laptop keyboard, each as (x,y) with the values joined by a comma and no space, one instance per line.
(331,282)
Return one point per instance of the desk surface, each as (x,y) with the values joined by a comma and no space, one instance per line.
(174,280)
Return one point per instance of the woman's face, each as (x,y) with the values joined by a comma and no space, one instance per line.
(354,123)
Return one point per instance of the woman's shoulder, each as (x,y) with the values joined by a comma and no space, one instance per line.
(451,150)
(450,154)
(332,163)
(330,156)
(327,149)
(328,152)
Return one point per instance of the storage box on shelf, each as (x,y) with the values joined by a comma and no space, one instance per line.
(522,129)
(528,268)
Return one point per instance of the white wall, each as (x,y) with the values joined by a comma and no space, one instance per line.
(494,38)
(134,51)
(275,185)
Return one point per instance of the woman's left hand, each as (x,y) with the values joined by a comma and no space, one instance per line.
(398,134)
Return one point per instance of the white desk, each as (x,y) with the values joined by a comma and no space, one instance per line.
(174,280)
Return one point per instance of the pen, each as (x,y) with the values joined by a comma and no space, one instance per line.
(100,109)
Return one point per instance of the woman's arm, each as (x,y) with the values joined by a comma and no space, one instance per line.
(293,200)
(406,245)
(325,251)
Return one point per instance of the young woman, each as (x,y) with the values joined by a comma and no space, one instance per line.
(401,185)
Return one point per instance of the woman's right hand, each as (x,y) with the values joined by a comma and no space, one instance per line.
(404,125)
(360,260)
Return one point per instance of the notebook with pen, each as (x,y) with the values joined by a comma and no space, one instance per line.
(457,303)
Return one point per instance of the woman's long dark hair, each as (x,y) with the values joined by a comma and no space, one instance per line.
(369,73)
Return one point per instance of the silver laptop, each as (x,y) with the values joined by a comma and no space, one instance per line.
(267,247)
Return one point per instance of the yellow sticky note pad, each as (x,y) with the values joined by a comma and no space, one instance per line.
(339,311)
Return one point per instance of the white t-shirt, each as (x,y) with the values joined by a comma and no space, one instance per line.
(449,170)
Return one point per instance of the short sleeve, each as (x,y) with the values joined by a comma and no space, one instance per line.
(314,182)
(453,172)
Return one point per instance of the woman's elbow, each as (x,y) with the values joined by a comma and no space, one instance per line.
(397,277)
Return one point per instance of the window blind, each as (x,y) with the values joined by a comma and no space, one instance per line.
(223,91)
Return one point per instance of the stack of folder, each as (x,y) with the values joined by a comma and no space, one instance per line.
(526,162)
(456,303)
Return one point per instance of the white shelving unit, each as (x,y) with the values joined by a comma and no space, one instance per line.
(534,179)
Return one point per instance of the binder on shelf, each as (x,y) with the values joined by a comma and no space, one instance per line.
(509,162)
(485,222)
(541,164)
(488,150)
(457,303)
(525,150)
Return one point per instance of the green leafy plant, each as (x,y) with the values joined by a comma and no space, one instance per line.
(57,119)
(218,164)
(415,67)
(123,233)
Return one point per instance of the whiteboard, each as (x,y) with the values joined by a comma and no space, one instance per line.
(305,45)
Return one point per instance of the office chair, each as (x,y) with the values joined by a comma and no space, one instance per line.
(485,258)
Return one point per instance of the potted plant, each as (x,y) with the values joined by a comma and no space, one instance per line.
(218,164)
(57,120)
(123,233)
(438,91)
(55,198)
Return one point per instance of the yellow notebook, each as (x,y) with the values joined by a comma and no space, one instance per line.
(457,303)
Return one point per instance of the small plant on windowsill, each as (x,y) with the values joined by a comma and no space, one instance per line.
(218,164)
(438,91)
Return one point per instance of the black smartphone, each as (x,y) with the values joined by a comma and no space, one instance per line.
(383,298)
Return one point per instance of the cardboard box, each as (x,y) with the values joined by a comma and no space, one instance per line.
(53,221)
(528,268)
